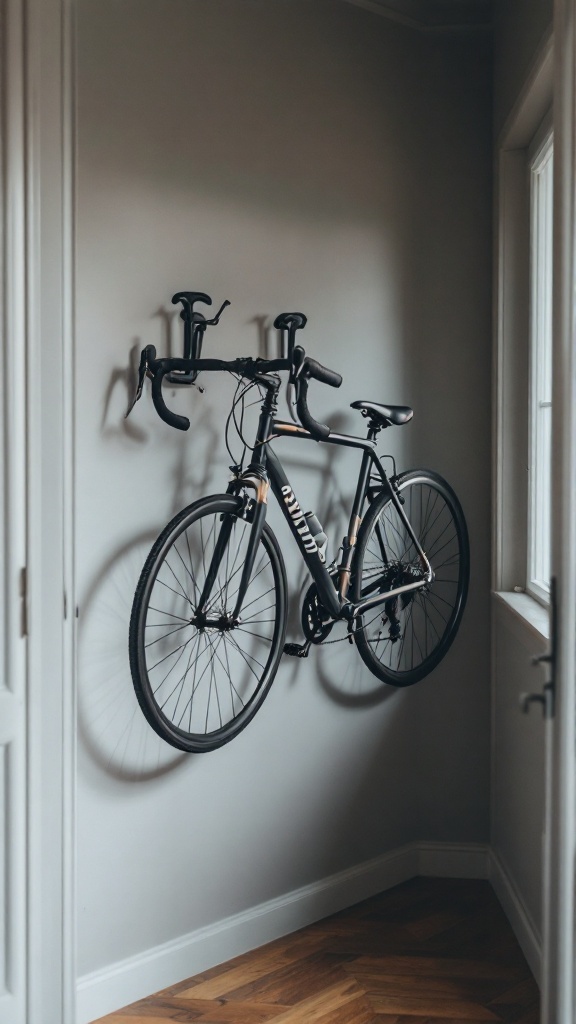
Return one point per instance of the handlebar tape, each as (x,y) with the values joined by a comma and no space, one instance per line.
(160,367)
(171,418)
(320,431)
(242,365)
(312,368)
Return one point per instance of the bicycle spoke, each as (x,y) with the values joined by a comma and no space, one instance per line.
(241,629)
(171,669)
(163,637)
(173,591)
(228,672)
(186,569)
(162,612)
(269,591)
(184,594)
(182,681)
(245,654)
(185,644)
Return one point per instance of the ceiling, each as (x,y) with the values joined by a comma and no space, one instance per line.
(433,15)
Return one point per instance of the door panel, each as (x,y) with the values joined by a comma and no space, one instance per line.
(13,644)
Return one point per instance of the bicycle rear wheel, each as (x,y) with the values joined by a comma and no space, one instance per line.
(403,640)
(199,683)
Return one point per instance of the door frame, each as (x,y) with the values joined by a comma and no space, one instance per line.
(13,502)
(43,64)
(560,831)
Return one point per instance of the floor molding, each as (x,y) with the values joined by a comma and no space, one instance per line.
(516,911)
(115,986)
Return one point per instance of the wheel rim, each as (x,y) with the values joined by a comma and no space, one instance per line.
(204,680)
(410,634)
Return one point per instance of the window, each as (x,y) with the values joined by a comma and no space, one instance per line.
(523,351)
(540,395)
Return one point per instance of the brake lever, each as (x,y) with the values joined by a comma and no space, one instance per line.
(147,356)
(298,357)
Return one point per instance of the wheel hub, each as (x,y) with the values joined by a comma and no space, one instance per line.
(223,623)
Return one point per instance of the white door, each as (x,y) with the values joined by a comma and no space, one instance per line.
(36,635)
(558,953)
(13,646)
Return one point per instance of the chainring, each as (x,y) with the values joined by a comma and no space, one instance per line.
(314,616)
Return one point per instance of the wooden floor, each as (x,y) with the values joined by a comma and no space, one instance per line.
(430,950)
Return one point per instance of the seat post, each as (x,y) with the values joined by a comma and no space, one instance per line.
(374,429)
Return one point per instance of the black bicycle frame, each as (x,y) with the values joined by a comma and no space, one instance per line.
(334,599)
(265,471)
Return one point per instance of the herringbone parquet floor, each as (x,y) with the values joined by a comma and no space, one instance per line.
(430,951)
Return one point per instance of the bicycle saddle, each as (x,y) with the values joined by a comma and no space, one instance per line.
(385,415)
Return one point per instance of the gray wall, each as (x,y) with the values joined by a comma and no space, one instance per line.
(519,28)
(286,155)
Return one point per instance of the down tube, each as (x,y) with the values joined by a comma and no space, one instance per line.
(282,489)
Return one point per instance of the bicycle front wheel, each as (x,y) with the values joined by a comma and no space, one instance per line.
(200,679)
(404,639)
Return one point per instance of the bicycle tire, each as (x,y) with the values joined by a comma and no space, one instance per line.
(428,619)
(228,671)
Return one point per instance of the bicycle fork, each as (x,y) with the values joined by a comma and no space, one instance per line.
(254,477)
(261,486)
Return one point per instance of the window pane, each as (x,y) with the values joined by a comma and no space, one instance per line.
(541,173)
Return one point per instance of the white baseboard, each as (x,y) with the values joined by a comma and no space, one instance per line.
(517,913)
(453,860)
(138,976)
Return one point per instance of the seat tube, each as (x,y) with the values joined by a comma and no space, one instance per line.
(296,521)
(345,567)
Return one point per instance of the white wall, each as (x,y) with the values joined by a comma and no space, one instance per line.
(282,156)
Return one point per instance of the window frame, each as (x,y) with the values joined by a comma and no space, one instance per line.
(511,371)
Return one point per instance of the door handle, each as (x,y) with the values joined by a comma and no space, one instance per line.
(546,699)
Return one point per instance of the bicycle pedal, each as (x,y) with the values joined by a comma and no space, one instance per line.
(297,650)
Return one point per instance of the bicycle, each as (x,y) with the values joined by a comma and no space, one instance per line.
(208,622)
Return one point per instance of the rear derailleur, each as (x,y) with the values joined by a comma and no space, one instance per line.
(398,574)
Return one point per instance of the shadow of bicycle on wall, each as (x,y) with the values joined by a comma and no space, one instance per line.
(111,726)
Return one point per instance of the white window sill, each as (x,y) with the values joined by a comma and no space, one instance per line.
(524,615)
